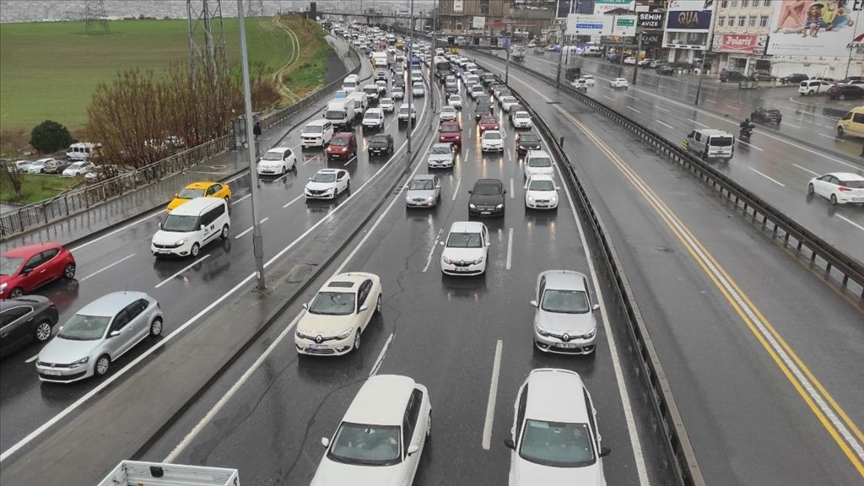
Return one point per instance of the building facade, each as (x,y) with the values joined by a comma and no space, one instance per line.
(473,17)
(741,29)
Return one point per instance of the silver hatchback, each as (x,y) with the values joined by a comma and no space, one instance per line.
(98,335)
(564,317)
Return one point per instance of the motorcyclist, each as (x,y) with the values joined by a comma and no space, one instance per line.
(746,128)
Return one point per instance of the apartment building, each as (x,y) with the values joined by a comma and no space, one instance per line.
(741,29)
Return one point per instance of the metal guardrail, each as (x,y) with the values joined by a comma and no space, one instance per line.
(835,265)
(44,212)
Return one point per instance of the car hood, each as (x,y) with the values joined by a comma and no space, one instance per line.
(168,237)
(176,202)
(576,324)
(5,279)
(419,193)
(337,148)
(320,186)
(449,135)
(530,145)
(269,163)
(379,144)
(326,325)
(462,254)
(486,200)
(542,194)
(528,473)
(65,351)
(331,472)
(490,141)
(440,157)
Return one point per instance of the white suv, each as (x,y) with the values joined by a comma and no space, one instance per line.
(373,119)
(316,133)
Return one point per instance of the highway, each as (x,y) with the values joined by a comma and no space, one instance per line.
(776,168)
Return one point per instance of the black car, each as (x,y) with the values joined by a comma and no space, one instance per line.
(726,76)
(487,198)
(763,76)
(765,115)
(794,78)
(482,108)
(665,69)
(381,144)
(845,92)
(527,141)
(24,320)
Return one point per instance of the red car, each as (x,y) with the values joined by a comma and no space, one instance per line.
(26,268)
(488,122)
(343,146)
(450,132)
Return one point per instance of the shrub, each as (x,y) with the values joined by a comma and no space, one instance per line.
(50,136)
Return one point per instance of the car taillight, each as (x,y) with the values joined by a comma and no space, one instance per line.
(843,189)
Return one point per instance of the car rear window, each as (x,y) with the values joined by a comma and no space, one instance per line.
(853,184)
(721,141)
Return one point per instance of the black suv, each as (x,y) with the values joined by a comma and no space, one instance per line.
(381,144)
(487,198)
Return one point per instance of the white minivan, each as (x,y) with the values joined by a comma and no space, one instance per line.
(81,151)
(351,83)
(190,226)
(316,133)
(711,144)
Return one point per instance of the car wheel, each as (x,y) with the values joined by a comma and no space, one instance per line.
(43,331)
(833,199)
(69,271)
(225,231)
(195,249)
(16,292)
(378,304)
(810,189)
(840,132)
(357,340)
(228,201)
(156,327)
(102,365)
(810,93)
(348,186)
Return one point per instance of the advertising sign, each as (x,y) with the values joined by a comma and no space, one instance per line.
(815,28)
(603,6)
(580,24)
(649,20)
(478,23)
(458,6)
(652,41)
(740,43)
(623,25)
(689,20)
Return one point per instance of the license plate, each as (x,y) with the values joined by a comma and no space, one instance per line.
(566,345)
(163,252)
(461,269)
(858,199)
(485,212)
(317,346)
(541,205)
(51,372)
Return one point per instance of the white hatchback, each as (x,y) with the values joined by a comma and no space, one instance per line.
(538,162)
(838,187)
(455,101)
(448,113)
(522,119)
(619,83)
(327,184)
(541,192)
(277,161)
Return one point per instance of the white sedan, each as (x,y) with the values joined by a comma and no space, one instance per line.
(507,102)
(455,101)
(541,192)
(618,83)
(418,89)
(466,249)
(338,315)
(492,141)
(387,105)
(589,80)
(327,184)
(448,113)
(838,187)
(522,119)
(381,437)
(78,168)
(277,161)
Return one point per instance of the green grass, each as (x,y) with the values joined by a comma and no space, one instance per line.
(35,188)
(309,70)
(49,70)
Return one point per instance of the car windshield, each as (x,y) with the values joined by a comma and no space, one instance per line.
(386,101)
(556,444)
(448,109)
(339,141)
(310,129)
(565,301)
(334,114)
(188,193)
(180,224)
(463,240)
(333,304)
(76,165)
(440,149)
(529,139)
(324,176)
(488,119)
(371,445)
(853,184)
(421,185)
(381,139)
(9,265)
(539,162)
(541,185)
(85,328)
(487,189)
(449,128)
(371,90)
(491,136)
(372,115)
(522,115)
(721,141)
(455,98)
(272,156)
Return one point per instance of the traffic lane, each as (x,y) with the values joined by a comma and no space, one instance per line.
(675,297)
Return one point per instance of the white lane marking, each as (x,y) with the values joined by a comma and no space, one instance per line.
(432,250)
(631,96)
(512,192)
(247,196)
(608,98)
(806,169)
(118,230)
(352,159)
(750,145)
(733,107)
(844,218)
(493,392)
(710,101)
(787,124)
(665,124)
(97,272)
(294,200)
(700,124)
(244,233)
(456,191)
(633,109)
(775,181)
(187,267)
(662,109)
(509,248)
(380,359)
(832,137)
(311,159)
(30,360)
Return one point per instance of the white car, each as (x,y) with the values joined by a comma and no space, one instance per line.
(541,192)
(492,141)
(78,168)
(448,113)
(382,86)
(476,92)
(327,184)
(455,101)
(618,83)
(630,60)
(398,92)
(373,119)
(335,319)
(589,79)
(441,156)
(538,162)
(564,313)
(277,161)
(387,105)
(508,101)
(466,249)
(418,89)
(404,112)
(554,438)
(38,166)
(522,119)
(838,187)
(381,438)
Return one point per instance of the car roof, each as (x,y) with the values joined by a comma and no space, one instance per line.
(555,395)
(466,227)
(373,110)
(846,176)
(328,171)
(542,177)
(278,150)
(29,250)
(33,300)
(424,177)
(109,305)
(480,182)
(538,153)
(382,400)
(318,122)
(346,281)
(564,279)
(711,132)
(343,135)
(194,207)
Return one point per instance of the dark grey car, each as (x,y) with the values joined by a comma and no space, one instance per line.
(24,320)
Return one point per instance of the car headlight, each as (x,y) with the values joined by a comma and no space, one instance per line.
(543,332)
(344,334)
(472,206)
(530,198)
(430,199)
(521,147)
(477,261)
(447,260)
(554,199)
(590,333)
(499,206)
(81,361)
(180,242)
(3,286)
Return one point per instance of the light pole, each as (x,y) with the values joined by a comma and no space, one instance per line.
(638,50)
(509,47)
(257,236)
(560,57)
(410,94)
(701,75)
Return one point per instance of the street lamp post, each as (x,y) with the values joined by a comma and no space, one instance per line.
(560,57)
(508,47)
(638,50)
(701,75)
(410,94)
(257,236)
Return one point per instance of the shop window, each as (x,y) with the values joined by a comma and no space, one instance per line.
(745,3)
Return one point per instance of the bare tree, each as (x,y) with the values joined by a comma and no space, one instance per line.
(13,175)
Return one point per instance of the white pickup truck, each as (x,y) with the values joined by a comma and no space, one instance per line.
(135,473)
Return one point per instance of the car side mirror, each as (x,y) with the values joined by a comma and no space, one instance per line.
(305,305)
(113,333)
(325,442)
(596,307)
(413,449)
(605,451)
(176,194)
(533,303)
(160,224)
(510,444)
(26,271)
(310,178)
(505,191)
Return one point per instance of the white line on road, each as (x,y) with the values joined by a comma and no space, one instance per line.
(512,192)
(787,124)
(844,218)
(733,107)
(493,392)
(380,359)
(750,145)
(244,233)
(631,96)
(700,124)
(294,200)
(662,109)
(509,248)
(710,101)
(432,250)
(832,137)
(247,196)
(97,272)
(775,181)
(118,230)
(806,169)
(34,358)
(633,109)
(456,190)
(608,98)
(187,267)
(665,124)
(352,159)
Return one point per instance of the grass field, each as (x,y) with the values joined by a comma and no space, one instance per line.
(49,70)
(35,188)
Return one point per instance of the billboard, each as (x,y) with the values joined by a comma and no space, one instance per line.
(458,6)
(603,6)
(740,43)
(815,28)
(688,24)
(581,24)
(650,20)
(478,23)
(689,20)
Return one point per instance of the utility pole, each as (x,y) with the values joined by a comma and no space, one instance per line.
(257,236)
(560,57)
(409,91)
(638,50)
(701,75)
(509,48)
(435,27)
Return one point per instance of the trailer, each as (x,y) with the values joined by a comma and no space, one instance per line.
(136,473)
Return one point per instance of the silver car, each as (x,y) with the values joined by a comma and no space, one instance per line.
(424,191)
(564,317)
(441,155)
(98,335)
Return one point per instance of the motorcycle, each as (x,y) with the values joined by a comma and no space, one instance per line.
(745,133)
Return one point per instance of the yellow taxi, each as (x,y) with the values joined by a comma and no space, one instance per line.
(200,189)
(852,124)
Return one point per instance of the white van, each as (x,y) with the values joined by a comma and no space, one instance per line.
(813,86)
(81,151)
(361,101)
(316,133)
(190,226)
(351,83)
(379,59)
(711,144)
